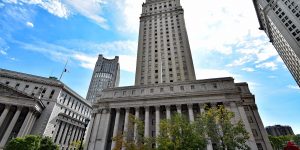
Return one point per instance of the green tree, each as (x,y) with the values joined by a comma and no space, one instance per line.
(31,142)
(178,133)
(221,131)
(142,143)
(279,142)
(296,139)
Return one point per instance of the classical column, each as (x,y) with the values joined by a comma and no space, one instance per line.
(178,107)
(168,111)
(73,135)
(25,124)
(60,132)
(103,129)
(89,131)
(146,133)
(137,116)
(209,144)
(94,131)
(32,121)
(4,114)
(10,127)
(251,141)
(191,113)
(126,122)
(69,133)
(157,120)
(65,134)
(115,133)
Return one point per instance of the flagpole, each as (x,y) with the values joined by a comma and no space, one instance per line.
(64,70)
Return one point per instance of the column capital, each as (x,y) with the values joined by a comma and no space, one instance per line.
(8,106)
(190,105)
(178,106)
(127,109)
(168,106)
(117,109)
(157,107)
(137,108)
(147,108)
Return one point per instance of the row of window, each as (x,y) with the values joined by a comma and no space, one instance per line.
(37,91)
(159,6)
(67,100)
(287,22)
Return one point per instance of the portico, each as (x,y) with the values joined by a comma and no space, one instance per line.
(18,113)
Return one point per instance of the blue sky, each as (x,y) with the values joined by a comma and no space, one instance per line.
(38,36)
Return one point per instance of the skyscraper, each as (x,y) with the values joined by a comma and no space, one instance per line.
(106,75)
(280,19)
(164,54)
(165,84)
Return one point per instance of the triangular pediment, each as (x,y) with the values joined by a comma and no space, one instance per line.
(11,92)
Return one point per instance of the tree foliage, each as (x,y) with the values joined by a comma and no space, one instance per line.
(31,142)
(221,130)
(179,133)
(279,142)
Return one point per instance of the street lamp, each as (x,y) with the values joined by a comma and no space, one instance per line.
(86,122)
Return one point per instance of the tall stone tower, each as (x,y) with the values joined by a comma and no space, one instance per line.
(165,84)
(106,75)
(164,54)
(280,19)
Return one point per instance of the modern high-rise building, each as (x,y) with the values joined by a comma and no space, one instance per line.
(164,54)
(106,75)
(279,130)
(165,84)
(280,19)
(37,105)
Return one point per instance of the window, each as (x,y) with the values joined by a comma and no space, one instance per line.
(259,146)
(27,86)
(17,85)
(151,90)
(51,94)
(7,82)
(192,86)
(181,88)
(161,89)
(255,134)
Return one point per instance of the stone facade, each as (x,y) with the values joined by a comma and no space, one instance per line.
(280,19)
(164,54)
(155,102)
(106,75)
(64,111)
(279,130)
(18,112)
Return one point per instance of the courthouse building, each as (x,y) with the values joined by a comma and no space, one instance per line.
(165,83)
(41,106)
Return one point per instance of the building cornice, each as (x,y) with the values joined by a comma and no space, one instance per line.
(41,80)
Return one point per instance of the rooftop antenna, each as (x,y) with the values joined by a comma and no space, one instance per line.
(64,70)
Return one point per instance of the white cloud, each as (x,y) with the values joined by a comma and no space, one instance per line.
(240,61)
(293,87)
(213,73)
(64,8)
(272,77)
(3,52)
(82,58)
(268,65)
(248,69)
(29,24)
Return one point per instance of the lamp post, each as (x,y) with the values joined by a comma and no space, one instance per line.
(86,122)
